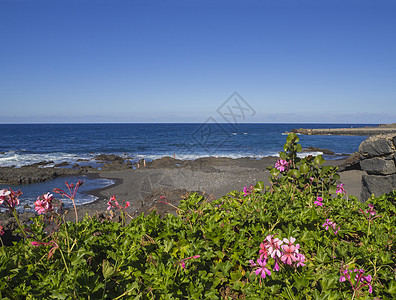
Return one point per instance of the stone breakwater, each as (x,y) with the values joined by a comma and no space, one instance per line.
(378,159)
(365,131)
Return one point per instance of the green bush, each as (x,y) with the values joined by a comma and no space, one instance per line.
(210,250)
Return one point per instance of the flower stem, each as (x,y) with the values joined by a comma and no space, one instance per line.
(368,230)
(64,260)
(14,212)
(75,211)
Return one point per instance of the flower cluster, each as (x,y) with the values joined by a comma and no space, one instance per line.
(282,165)
(370,214)
(319,201)
(248,190)
(330,224)
(72,190)
(114,203)
(281,251)
(1,230)
(359,279)
(371,210)
(340,189)
(43,203)
(9,198)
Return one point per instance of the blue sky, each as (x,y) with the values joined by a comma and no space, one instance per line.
(179,60)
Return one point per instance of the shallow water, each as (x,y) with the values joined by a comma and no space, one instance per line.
(32,191)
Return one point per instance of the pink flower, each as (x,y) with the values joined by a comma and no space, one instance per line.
(9,198)
(3,195)
(41,206)
(282,165)
(263,251)
(276,266)
(273,246)
(371,210)
(340,189)
(359,281)
(300,260)
(318,201)
(262,269)
(327,224)
(114,203)
(331,224)
(290,251)
(248,190)
(43,203)
(72,190)
(345,276)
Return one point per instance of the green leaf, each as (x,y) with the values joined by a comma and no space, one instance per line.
(292,136)
(391,288)
(294,173)
(319,160)
(259,187)
(274,172)
(304,168)
(107,269)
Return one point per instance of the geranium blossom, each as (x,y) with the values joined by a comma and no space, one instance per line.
(318,201)
(263,251)
(273,246)
(114,203)
(300,260)
(43,203)
(9,198)
(282,165)
(340,189)
(359,280)
(330,224)
(290,251)
(261,269)
(3,195)
(371,210)
(248,190)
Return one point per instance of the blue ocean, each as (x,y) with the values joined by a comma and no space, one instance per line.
(24,144)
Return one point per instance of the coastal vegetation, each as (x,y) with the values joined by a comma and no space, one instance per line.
(302,237)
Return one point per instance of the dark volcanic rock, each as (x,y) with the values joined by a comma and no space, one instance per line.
(32,174)
(377,185)
(62,164)
(351,163)
(164,162)
(378,166)
(108,157)
(42,163)
(378,145)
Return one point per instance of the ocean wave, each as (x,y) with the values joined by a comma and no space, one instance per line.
(21,158)
(18,159)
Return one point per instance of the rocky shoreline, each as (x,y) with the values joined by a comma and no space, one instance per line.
(143,183)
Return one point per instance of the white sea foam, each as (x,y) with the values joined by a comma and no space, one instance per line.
(13,158)
(19,159)
(184,156)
